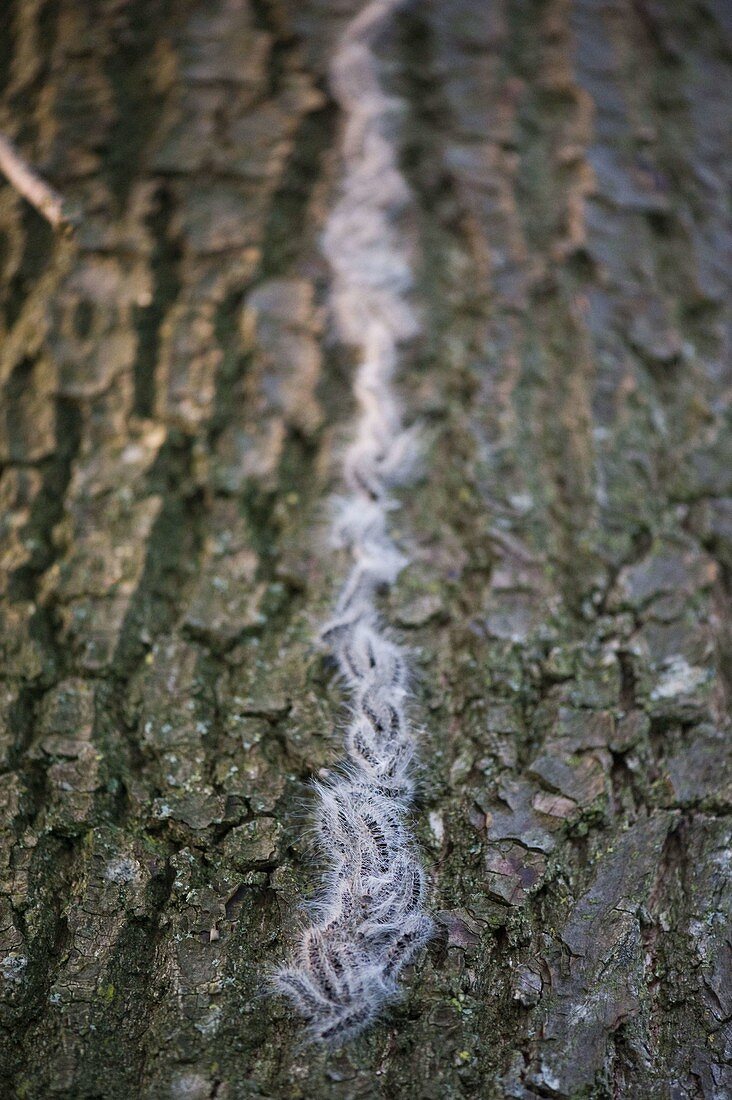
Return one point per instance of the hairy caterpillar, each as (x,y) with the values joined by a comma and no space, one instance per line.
(369,920)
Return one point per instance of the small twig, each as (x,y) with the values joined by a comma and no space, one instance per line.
(512,546)
(35,190)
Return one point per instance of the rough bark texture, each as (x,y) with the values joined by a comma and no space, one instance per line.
(172,405)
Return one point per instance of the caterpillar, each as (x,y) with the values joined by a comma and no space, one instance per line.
(370,921)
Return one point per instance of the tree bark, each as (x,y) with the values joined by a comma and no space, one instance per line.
(173,409)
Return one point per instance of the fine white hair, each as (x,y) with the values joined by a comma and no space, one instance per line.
(369,921)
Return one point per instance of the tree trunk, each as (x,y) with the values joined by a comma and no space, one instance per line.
(174,405)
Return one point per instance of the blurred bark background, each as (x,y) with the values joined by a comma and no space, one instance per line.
(172,403)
